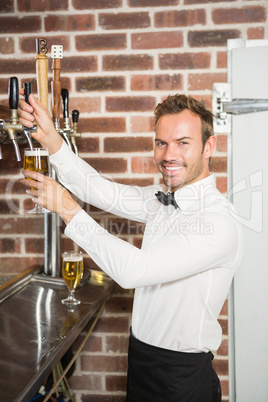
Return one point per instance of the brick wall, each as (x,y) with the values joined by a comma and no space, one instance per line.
(121,57)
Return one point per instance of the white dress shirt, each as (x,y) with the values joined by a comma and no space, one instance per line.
(182,273)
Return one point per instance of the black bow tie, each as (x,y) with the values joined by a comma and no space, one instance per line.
(166,199)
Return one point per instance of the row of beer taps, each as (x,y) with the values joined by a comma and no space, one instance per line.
(12,131)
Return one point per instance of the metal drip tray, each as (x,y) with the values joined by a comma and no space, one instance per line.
(37,329)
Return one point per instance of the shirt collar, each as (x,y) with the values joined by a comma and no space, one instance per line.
(188,195)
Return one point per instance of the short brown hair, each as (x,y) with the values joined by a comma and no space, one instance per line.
(177,103)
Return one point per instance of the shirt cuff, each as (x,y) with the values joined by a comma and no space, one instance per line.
(62,159)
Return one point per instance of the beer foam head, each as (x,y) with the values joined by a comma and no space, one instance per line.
(73,258)
(36,151)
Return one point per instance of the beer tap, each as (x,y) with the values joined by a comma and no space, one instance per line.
(27,131)
(67,127)
(75,133)
(13,127)
(69,133)
(57,55)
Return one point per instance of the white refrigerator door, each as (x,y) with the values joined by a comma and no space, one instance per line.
(248,184)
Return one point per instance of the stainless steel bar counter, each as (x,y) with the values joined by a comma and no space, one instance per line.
(36,329)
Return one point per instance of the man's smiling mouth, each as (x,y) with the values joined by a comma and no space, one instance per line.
(172,168)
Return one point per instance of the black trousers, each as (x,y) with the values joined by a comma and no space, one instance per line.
(161,375)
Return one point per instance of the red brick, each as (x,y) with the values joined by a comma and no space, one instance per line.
(221,144)
(85,144)
(104,363)
(143,165)
(19,264)
(212,38)
(108,165)
(221,59)
(22,225)
(117,344)
(256,33)
(128,144)
(238,15)
(127,62)
(81,22)
(184,60)
(6,45)
(101,42)
(4,90)
(119,305)
(224,310)
(7,6)
(218,164)
(96,4)
(205,80)
(37,5)
(7,245)
(124,20)
(93,344)
(79,64)
(130,104)
(116,383)
(221,366)
(156,82)
(223,349)
(205,1)
(18,66)
(9,206)
(152,3)
(102,125)
(156,40)
(205,99)
(225,388)
(142,124)
(27,44)
(82,382)
(34,245)
(109,83)
(20,25)
(224,325)
(12,185)
(184,18)
(85,104)
(221,184)
(137,242)
(136,181)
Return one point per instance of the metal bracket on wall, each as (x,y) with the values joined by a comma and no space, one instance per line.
(223,107)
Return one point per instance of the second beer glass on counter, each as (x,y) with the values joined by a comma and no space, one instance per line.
(72,273)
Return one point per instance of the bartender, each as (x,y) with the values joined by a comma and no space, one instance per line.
(191,249)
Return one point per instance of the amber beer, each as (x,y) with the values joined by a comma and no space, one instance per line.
(72,270)
(36,160)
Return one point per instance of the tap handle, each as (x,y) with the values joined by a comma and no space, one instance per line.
(75,116)
(27,90)
(65,102)
(13,93)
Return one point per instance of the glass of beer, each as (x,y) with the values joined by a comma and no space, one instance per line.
(37,160)
(72,272)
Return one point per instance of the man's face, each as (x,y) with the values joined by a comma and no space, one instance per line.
(179,153)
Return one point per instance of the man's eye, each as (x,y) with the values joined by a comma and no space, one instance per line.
(160,143)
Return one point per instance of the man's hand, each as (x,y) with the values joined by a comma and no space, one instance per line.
(46,133)
(51,195)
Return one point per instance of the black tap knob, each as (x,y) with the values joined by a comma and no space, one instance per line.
(75,116)
(13,91)
(27,91)
(65,102)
